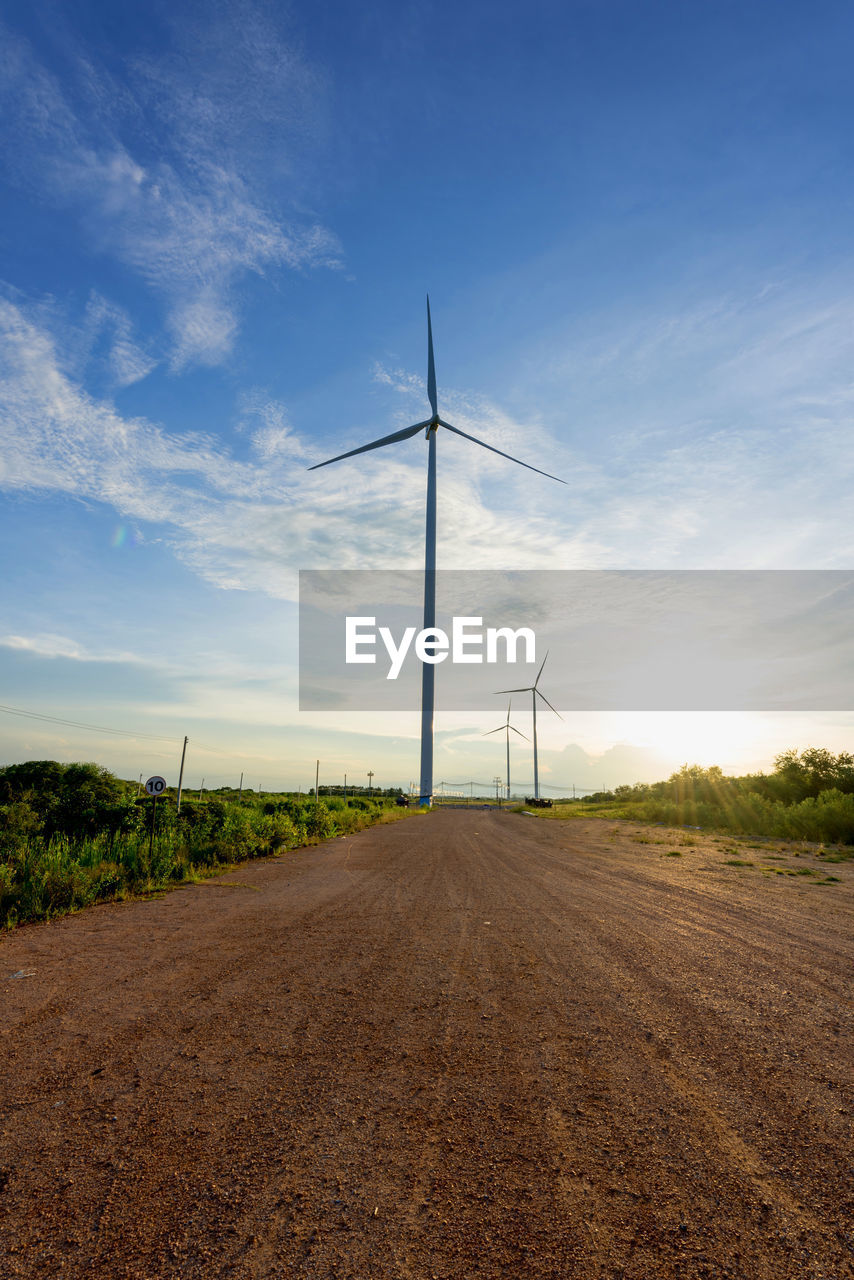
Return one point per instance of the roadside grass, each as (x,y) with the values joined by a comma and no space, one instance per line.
(770,850)
(718,827)
(47,875)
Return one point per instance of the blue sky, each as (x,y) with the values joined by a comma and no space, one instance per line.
(218,225)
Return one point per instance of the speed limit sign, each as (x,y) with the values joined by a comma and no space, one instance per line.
(155,786)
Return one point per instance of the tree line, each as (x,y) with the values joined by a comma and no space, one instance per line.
(809,795)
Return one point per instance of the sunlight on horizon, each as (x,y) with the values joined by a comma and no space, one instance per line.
(737,741)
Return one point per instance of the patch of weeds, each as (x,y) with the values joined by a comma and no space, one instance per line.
(829,880)
(672,853)
(737,862)
(839,856)
(688,842)
(792,871)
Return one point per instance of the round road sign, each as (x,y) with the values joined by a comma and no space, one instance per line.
(155,786)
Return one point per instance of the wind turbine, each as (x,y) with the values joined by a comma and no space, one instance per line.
(502,728)
(430,427)
(535,693)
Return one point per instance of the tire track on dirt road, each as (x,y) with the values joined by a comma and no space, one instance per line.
(464,1045)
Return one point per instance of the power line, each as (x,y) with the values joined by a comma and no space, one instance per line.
(100,728)
(548,786)
(160,737)
(78,724)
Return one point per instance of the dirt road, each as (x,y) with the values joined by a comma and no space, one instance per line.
(464,1045)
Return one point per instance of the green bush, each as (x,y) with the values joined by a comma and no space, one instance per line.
(74,834)
(752,805)
(319,823)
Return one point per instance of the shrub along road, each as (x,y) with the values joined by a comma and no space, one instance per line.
(465,1045)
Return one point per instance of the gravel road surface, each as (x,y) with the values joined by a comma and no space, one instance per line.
(463,1045)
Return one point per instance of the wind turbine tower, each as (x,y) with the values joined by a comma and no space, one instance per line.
(535,693)
(506,728)
(431,429)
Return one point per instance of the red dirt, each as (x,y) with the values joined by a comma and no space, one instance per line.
(463,1045)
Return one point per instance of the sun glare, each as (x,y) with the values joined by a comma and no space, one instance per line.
(731,739)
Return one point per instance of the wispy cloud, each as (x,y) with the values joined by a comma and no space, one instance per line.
(127,360)
(197,214)
(45,645)
(269,428)
(673,493)
(723,419)
(239,523)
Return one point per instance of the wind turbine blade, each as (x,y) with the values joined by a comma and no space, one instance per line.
(521,735)
(540,672)
(500,729)
(431,367)
(548,704)
(500,452)
(375,444)
(528,690)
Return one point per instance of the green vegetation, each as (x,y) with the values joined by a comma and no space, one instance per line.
(71,835)
(809,796)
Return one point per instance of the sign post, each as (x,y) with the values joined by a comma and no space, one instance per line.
(155,787)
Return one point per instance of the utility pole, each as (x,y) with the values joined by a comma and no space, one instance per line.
(240,792)
(371,773)
(316,780)
(201,789)
(181,772)
(139,788)
(345,789)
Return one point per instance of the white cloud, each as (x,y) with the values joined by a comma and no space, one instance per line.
(270,431)
(128,361)
(46,645)
(242,524)
(723,422)
(763,490)
(196,220)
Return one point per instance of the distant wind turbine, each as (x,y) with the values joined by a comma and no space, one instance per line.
(430,427)
(535,693)
(505,728)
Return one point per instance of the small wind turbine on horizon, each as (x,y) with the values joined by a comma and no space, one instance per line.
(430,426)
(535,693)
(502,728)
